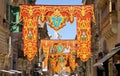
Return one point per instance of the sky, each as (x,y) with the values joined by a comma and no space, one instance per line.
(69,31)
(59,2)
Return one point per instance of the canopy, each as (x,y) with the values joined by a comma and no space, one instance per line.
(108,56)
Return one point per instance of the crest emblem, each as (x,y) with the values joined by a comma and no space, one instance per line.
(56,20)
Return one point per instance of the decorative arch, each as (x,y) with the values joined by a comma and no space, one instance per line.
(57,16)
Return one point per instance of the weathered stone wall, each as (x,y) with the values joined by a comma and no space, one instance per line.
(4,37)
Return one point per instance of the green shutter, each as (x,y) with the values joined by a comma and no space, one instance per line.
(15,25)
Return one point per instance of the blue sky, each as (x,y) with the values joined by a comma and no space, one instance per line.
(69,31)
(59,2)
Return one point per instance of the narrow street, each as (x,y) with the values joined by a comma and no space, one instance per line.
(60,38)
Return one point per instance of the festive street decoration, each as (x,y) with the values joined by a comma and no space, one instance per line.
(59,45)
(30,32)
(72,61)
(53,62)
(60,61)
(56,47)
(84,32)
(57,16)
(56,20)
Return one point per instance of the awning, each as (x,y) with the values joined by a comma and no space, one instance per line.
(108,56)
(6,71)
(11,71)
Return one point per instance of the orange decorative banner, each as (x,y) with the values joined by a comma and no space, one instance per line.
(57,16)
(53,62)
(58,62)
(30,30)
(84,32)
(58,45)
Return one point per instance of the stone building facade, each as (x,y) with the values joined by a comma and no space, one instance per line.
(4,36)
(11,55)
(95,28)
(107,13)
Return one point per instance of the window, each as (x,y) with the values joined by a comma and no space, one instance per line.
(113,6)
(14,18)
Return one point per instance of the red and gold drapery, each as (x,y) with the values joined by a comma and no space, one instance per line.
(46,45)
(30,30)
(57,62)
(56,17)
(84,31)
(60,61)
